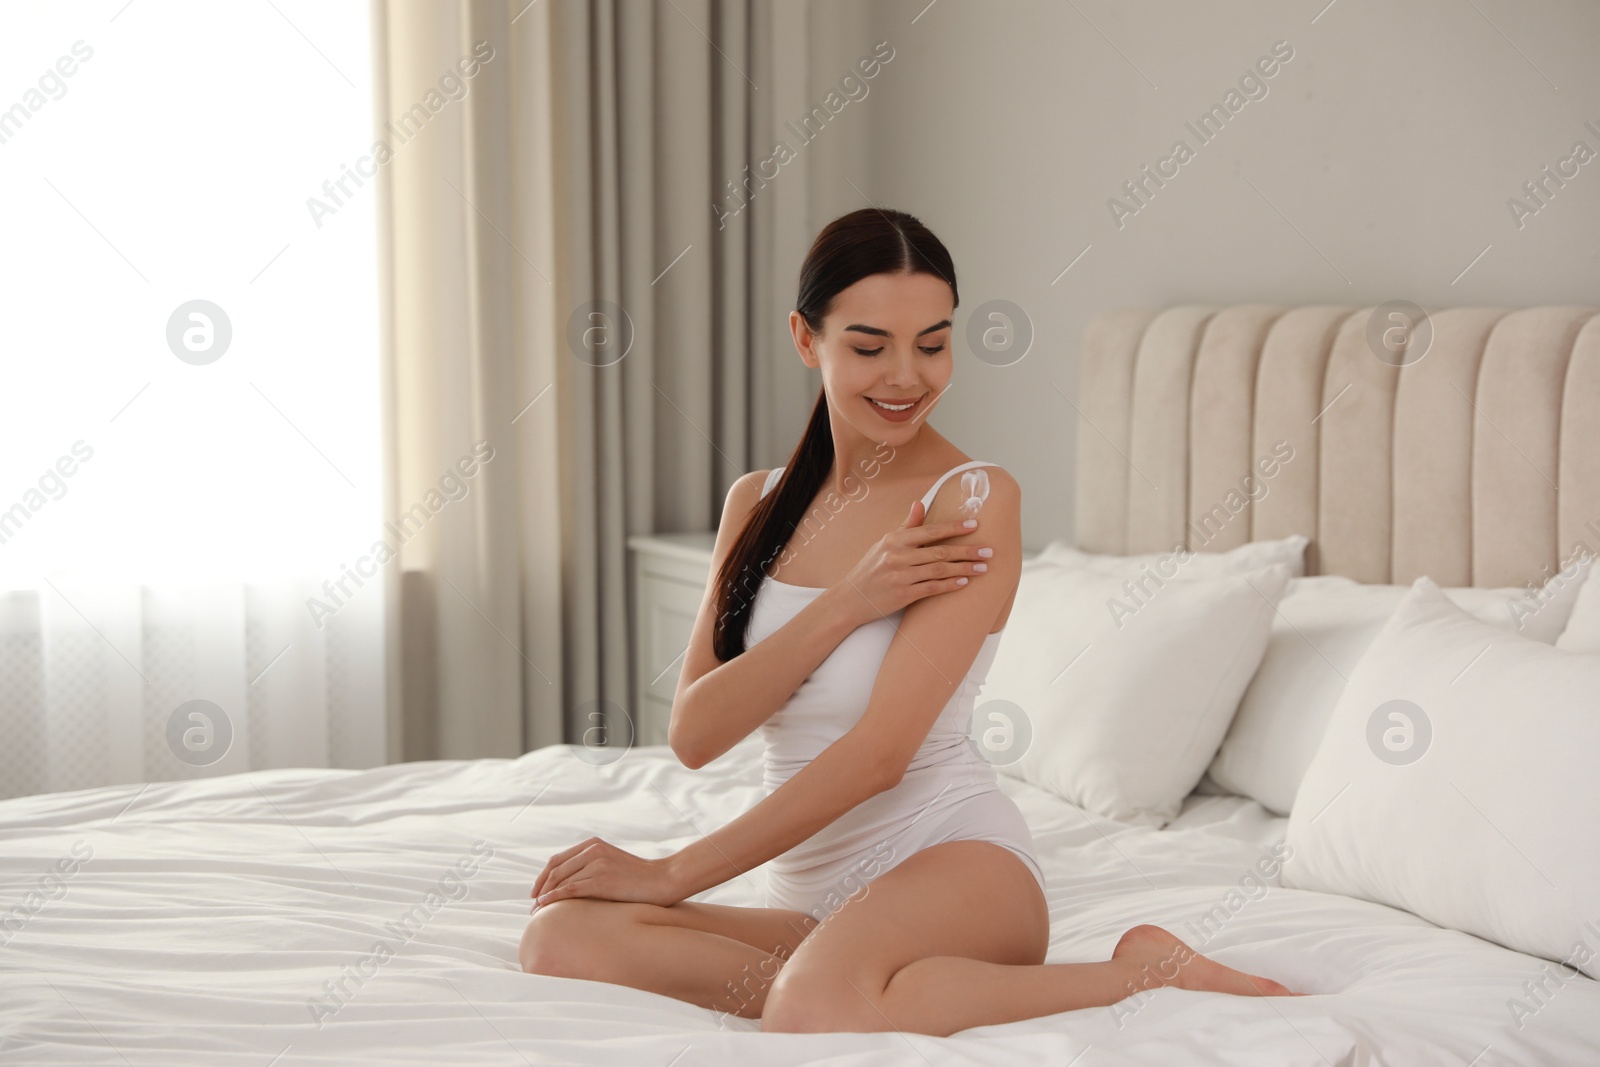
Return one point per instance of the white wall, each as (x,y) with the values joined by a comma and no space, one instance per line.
(1381,159)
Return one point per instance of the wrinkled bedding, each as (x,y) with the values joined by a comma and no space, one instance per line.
(348,917)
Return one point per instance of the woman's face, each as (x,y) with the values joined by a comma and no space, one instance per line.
(887,338)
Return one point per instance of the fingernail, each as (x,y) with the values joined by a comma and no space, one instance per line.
(985,552)
(980,567)
(970,523)
(961,581)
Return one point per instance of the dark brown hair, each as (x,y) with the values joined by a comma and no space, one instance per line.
(850,248)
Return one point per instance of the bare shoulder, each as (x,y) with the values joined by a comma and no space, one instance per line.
(993,497)
(743,495)
(988,490)
(746,491)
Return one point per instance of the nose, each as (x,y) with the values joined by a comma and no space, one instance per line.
(901,372)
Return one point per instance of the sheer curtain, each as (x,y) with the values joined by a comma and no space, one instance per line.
(190,476)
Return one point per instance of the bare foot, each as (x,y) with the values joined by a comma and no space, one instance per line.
(1163,959)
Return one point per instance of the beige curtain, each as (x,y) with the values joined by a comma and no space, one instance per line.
(581,165)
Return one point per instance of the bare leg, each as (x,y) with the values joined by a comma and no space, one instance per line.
(718,957)
(946,994)
(951,938)
(1163,959)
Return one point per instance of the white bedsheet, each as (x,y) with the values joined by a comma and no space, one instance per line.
(209,916)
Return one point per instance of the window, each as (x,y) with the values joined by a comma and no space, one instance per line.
(155,154)
(189,390)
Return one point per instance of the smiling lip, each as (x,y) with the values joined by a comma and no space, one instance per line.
(896,416)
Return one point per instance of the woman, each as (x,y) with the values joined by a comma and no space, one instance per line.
(903,889)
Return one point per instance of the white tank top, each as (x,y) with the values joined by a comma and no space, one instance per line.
(835,695)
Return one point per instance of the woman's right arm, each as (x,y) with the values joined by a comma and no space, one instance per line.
(717,704)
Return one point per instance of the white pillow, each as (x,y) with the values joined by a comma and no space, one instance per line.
(1115,707)
(1583,628)
(1472,802)
(1323,626)
(1182,562)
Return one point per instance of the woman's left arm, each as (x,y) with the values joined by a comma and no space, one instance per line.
(936,643)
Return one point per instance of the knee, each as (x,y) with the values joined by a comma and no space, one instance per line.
(565,938)
(552,939)
(801,1003)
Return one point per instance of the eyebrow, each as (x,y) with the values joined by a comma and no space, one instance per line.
(885,333)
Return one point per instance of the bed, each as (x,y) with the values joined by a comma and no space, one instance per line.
(342,917)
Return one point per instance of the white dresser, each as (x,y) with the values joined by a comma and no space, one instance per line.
(670,572)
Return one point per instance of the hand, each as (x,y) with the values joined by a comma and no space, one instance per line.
(595,868)
(905,566)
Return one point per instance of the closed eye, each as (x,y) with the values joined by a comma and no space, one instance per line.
(934,351)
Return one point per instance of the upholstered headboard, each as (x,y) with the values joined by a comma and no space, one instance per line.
(1476,464)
